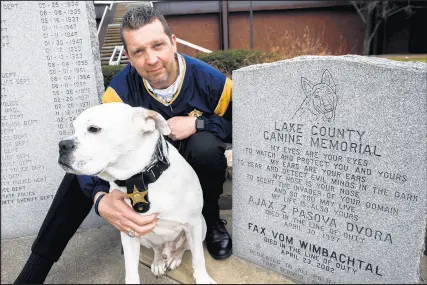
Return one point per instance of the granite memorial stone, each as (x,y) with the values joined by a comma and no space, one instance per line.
(50,72)
(329,182)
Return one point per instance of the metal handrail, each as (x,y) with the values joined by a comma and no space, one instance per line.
(107,8)
(119,58)
(192,45)
(117,62)
(103,25)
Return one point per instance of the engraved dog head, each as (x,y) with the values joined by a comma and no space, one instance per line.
(109,137)
(320,99)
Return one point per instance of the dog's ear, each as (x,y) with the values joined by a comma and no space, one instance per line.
(307,86)
(161,123)
(148,121)
(140,122)
(327,79)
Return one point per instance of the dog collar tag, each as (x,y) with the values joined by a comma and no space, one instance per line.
(139,200)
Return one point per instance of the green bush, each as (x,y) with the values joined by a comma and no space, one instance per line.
(109,71)
(229,60)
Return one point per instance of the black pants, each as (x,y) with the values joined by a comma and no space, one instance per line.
(203,151)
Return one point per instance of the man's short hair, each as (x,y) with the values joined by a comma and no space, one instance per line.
(138,17)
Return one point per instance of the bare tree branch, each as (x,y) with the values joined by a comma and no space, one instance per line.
(372,5)
(418,7)
(397,11)
(385,9)
(358,11)
(374,31)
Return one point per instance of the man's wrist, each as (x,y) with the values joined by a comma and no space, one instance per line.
(98,198)
(97,195)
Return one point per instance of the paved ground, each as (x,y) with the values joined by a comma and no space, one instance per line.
(92,257)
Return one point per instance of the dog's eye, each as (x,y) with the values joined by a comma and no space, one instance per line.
(93,129)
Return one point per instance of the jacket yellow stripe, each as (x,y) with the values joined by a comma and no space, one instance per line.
(110,95)
(225,99)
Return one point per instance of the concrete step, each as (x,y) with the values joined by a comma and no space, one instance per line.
(108,56)
(108,47)
(112,45)
(109,52)
(115,42)
(106,62)
(233,270)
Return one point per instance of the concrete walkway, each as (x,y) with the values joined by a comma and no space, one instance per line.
(93,256)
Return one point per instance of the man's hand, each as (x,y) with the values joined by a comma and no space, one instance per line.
(114,209)
(182,127)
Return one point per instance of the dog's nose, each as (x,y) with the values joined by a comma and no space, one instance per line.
(66,146)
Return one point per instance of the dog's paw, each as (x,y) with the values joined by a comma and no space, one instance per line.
(173,262)
(203,278)
(158,268)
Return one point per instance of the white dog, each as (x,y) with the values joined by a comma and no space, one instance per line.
(115,142)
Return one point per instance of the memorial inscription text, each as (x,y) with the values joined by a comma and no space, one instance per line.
(315,181)
(68,79)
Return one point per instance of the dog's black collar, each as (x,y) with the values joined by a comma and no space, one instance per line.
(137,185)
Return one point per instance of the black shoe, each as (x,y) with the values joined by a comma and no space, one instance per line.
(218,241)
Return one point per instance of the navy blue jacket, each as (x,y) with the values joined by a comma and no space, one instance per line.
(203,91)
